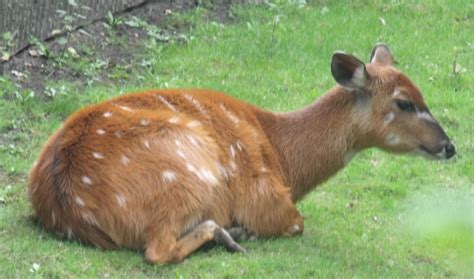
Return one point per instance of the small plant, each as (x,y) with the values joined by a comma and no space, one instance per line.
(92,72)
(69,20)
(6,44)
(52,92)
(7,37)
(136,22)
(24,95)
(112,22)
(153,31)
(188,19)
(42,49)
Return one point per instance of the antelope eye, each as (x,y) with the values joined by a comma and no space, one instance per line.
(405,105)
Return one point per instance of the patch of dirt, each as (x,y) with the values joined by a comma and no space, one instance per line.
(104,50)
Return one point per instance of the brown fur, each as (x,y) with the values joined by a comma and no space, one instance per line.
(146,170)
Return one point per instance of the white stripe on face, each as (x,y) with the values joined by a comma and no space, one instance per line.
(425,116)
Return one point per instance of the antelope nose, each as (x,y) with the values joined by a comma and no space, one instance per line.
(449,150)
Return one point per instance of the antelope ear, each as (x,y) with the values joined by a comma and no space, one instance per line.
(381,55)
(348,71)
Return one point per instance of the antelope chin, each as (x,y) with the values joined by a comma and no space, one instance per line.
(428,154)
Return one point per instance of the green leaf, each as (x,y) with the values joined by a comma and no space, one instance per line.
(62,40)
(7,36)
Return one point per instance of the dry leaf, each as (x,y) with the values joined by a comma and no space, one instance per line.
(457,69)
(56,32)
(34,268)
(33,52)
(382,21)
(17,74)
(72,51)
(5,57)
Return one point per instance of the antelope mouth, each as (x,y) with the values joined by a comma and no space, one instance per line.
(443,154)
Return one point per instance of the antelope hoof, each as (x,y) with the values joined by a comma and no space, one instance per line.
(238,233)
(222,237)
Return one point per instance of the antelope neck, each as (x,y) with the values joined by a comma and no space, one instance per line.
(315,142)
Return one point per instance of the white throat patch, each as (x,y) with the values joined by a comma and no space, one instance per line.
(392,139)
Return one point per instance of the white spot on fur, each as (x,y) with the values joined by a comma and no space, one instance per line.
(193,140)
(164,101)
(90,218)
(144,122)
(190,168)
(230,114)
(233,165)
(223,171)
(121,200)
(125,108)
(196,104)
(208,176)
(392,139)
(181,154)
(425,116)
(204,175)
(86,180)
(174,119)
(147,144)
(107,114)
(118,134)
(193,124)
(232,151)
(98,155)
(125,160)
(239,145)
(263,169)
(100,131)
(79,201)
(169,176)
(388,118)
(177,142)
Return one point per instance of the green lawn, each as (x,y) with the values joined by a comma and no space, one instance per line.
(382,216)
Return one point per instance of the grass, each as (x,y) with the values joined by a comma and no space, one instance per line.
(382,216)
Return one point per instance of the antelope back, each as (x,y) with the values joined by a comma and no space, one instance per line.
(116,169)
